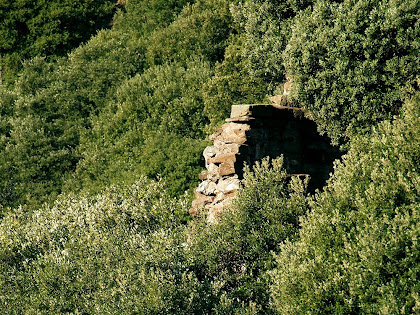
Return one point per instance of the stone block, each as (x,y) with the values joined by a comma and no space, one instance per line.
(212,172)
(240,119)
(203,175)
(240,111)
(227,148)
(219,197)
(202,199)
(228,185)
(210,152)
(231,133)
(217,133)
(223,158)
(222,196)
(226,168)
(207,188)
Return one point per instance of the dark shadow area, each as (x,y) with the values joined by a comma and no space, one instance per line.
(276,131)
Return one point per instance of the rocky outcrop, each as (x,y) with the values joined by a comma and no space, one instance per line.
(251,133)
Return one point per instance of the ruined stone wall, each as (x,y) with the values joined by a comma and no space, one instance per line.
(251,133)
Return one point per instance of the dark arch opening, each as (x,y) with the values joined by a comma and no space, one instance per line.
(279,130)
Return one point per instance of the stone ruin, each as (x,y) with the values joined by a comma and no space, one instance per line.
(251,133)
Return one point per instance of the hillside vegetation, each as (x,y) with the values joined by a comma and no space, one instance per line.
(104,113)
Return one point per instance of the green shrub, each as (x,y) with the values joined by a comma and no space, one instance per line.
(236,252)
(61,98)
(358,249)
(145,16)
(266,27)
(52,104)
(7,99)
(154,126)
(231,84)
(117,252)
(47,29)
(351,61)
(201,29)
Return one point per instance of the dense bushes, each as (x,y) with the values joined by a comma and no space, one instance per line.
(351,61)
(47,29)
(237,252)
(118,252)
(52,104)
(154,125)
(358,248)
(267,28)
(201,29)
(128,250)
(231,84)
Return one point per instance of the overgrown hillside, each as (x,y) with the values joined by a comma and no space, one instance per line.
(101,137)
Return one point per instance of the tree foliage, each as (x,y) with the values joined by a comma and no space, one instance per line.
(52,105)
(266,28)
(201,29)
(231,84)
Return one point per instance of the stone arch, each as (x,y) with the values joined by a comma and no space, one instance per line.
(251,133)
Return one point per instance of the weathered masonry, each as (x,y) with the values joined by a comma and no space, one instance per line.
(251,133)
